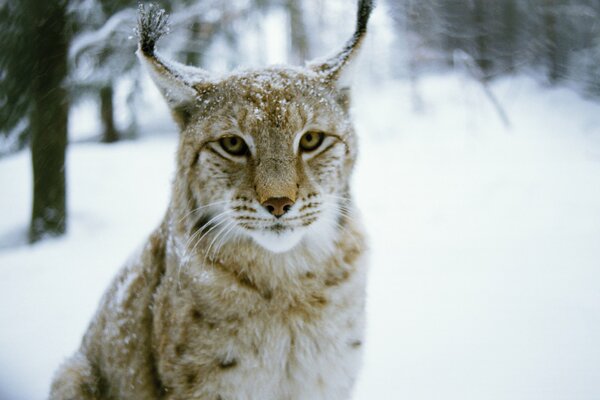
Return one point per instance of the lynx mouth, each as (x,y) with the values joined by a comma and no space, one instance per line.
(279,235)
(279,228)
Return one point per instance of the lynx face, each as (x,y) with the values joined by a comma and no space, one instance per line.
(263,154)
(274,161)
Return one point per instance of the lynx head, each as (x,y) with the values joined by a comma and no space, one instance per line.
(264,154)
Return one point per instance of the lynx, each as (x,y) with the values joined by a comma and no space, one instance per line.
(253,286)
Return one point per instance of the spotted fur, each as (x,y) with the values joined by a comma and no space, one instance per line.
(226,301)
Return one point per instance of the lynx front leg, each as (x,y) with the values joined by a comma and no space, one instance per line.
(76,380)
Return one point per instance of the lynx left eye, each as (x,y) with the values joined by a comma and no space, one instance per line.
(234,145)
(310,141)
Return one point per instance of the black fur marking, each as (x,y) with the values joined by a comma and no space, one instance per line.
(202,224)
(153,23)
(365,7)
(333,66)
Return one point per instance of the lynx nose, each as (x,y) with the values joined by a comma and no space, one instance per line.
(278,205)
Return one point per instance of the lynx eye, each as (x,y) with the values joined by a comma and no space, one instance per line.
(234,145)
(310,141)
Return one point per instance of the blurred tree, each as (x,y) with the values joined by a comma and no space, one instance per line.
(34,69)
(553,55)
(558,37)
(15,73)
(300,47)
(110,133)
(195,53)
(508,33)
(101,54)
(482,35)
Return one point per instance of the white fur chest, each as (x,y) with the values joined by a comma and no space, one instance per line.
(234,341)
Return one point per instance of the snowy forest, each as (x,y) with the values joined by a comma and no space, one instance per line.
(83,49)
(479,178)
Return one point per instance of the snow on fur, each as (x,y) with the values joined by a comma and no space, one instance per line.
(484,244)
(153,23)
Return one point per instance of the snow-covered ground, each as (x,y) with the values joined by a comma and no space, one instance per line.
(485,272)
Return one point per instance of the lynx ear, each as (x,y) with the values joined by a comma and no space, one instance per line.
(336,68)
(177,82)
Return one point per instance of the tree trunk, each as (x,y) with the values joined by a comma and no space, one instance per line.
(300,47)
(193,56)
(109,132)
(48,119)
(552,50)
(481,40)
(511,23)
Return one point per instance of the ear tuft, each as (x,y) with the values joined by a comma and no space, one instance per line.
(332,67)
(153,23)
(176,82)
(365,7)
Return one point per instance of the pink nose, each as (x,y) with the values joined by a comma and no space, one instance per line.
(278,205)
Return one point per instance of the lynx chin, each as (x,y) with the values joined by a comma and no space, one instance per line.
(253,286)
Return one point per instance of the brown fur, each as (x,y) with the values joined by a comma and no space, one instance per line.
(208,310)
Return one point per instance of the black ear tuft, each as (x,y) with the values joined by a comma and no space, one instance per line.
(334,66)
(362,17)
(153,23)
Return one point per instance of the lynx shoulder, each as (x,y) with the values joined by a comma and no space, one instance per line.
(253,286)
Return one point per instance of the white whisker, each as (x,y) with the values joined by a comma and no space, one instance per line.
(193,239)
(220,215)
(333,196)
(209,231)
(206,254)
(223,240)
(201,208)
(187,251)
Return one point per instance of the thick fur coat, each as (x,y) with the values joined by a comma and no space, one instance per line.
(253,286)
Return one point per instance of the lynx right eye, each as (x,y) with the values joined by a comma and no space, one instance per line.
(234,145)
(311,141)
